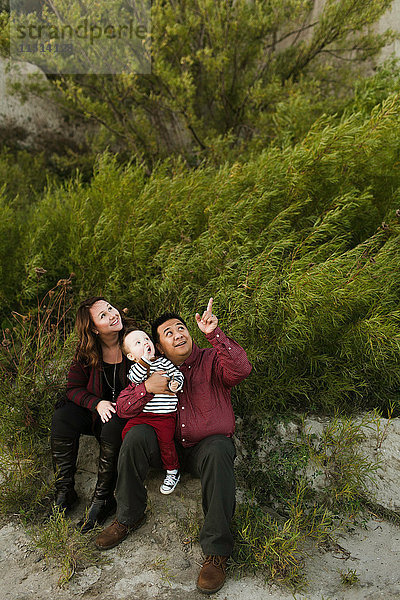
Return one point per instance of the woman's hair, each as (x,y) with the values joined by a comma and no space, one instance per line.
(88,351)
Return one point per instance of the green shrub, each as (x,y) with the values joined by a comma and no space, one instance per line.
(34,357)
(61,542)
(276,549)
(298,247)
(25,476)
(345,469)
(224,77)
(23,174)
(298,488)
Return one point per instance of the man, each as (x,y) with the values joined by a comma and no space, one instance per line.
(204,430)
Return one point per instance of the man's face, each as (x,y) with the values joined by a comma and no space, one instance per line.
(175,341)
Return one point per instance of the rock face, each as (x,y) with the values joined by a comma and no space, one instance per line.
(87,465)
(377,445)
(380,447)
(30,120)
(383,446)
(390,20)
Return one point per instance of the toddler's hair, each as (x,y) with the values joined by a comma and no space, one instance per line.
(127,332)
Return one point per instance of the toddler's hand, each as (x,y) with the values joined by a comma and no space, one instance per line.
(173,385)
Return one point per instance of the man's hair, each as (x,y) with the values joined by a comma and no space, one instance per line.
(160,320)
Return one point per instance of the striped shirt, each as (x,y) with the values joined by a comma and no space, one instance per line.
(160,403)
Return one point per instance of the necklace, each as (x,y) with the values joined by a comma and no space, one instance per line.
(112,387)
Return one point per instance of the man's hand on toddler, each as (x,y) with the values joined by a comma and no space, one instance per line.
(157,383)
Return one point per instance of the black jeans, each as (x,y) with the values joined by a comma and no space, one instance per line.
(211,460)
(71,420)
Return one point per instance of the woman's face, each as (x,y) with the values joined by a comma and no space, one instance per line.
(106,319)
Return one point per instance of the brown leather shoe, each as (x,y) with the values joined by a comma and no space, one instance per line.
(115,533)
(212,574)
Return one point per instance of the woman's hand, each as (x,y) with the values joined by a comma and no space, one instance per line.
(157,383)
(105,410)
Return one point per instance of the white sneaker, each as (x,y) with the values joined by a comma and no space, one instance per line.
(170,482)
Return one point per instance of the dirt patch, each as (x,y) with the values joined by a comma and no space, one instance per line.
(159,562)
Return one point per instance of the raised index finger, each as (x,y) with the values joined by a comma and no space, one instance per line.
(209,305)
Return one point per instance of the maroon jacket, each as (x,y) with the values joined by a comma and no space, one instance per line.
(85,384)
(204,406)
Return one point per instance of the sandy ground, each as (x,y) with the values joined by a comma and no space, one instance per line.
(156,562)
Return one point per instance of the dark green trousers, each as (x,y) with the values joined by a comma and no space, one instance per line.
(211,460)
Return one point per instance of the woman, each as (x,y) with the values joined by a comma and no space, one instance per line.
(96,377)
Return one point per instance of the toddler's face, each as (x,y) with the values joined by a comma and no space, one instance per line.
(137,344)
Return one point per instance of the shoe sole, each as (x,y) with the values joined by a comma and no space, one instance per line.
(204,591)
(168,492)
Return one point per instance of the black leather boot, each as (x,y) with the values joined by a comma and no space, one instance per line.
(64,452)
(103,503)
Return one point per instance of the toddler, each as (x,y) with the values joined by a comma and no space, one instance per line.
(160,411)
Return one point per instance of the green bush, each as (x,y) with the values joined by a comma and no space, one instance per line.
(61,542)
(34,357)
(23,175)
(25,475)
(297,487)
(224,76)
(299,248)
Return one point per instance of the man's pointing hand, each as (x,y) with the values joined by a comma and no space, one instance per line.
(207,322)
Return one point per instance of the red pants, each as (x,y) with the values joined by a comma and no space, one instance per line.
(164,426)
